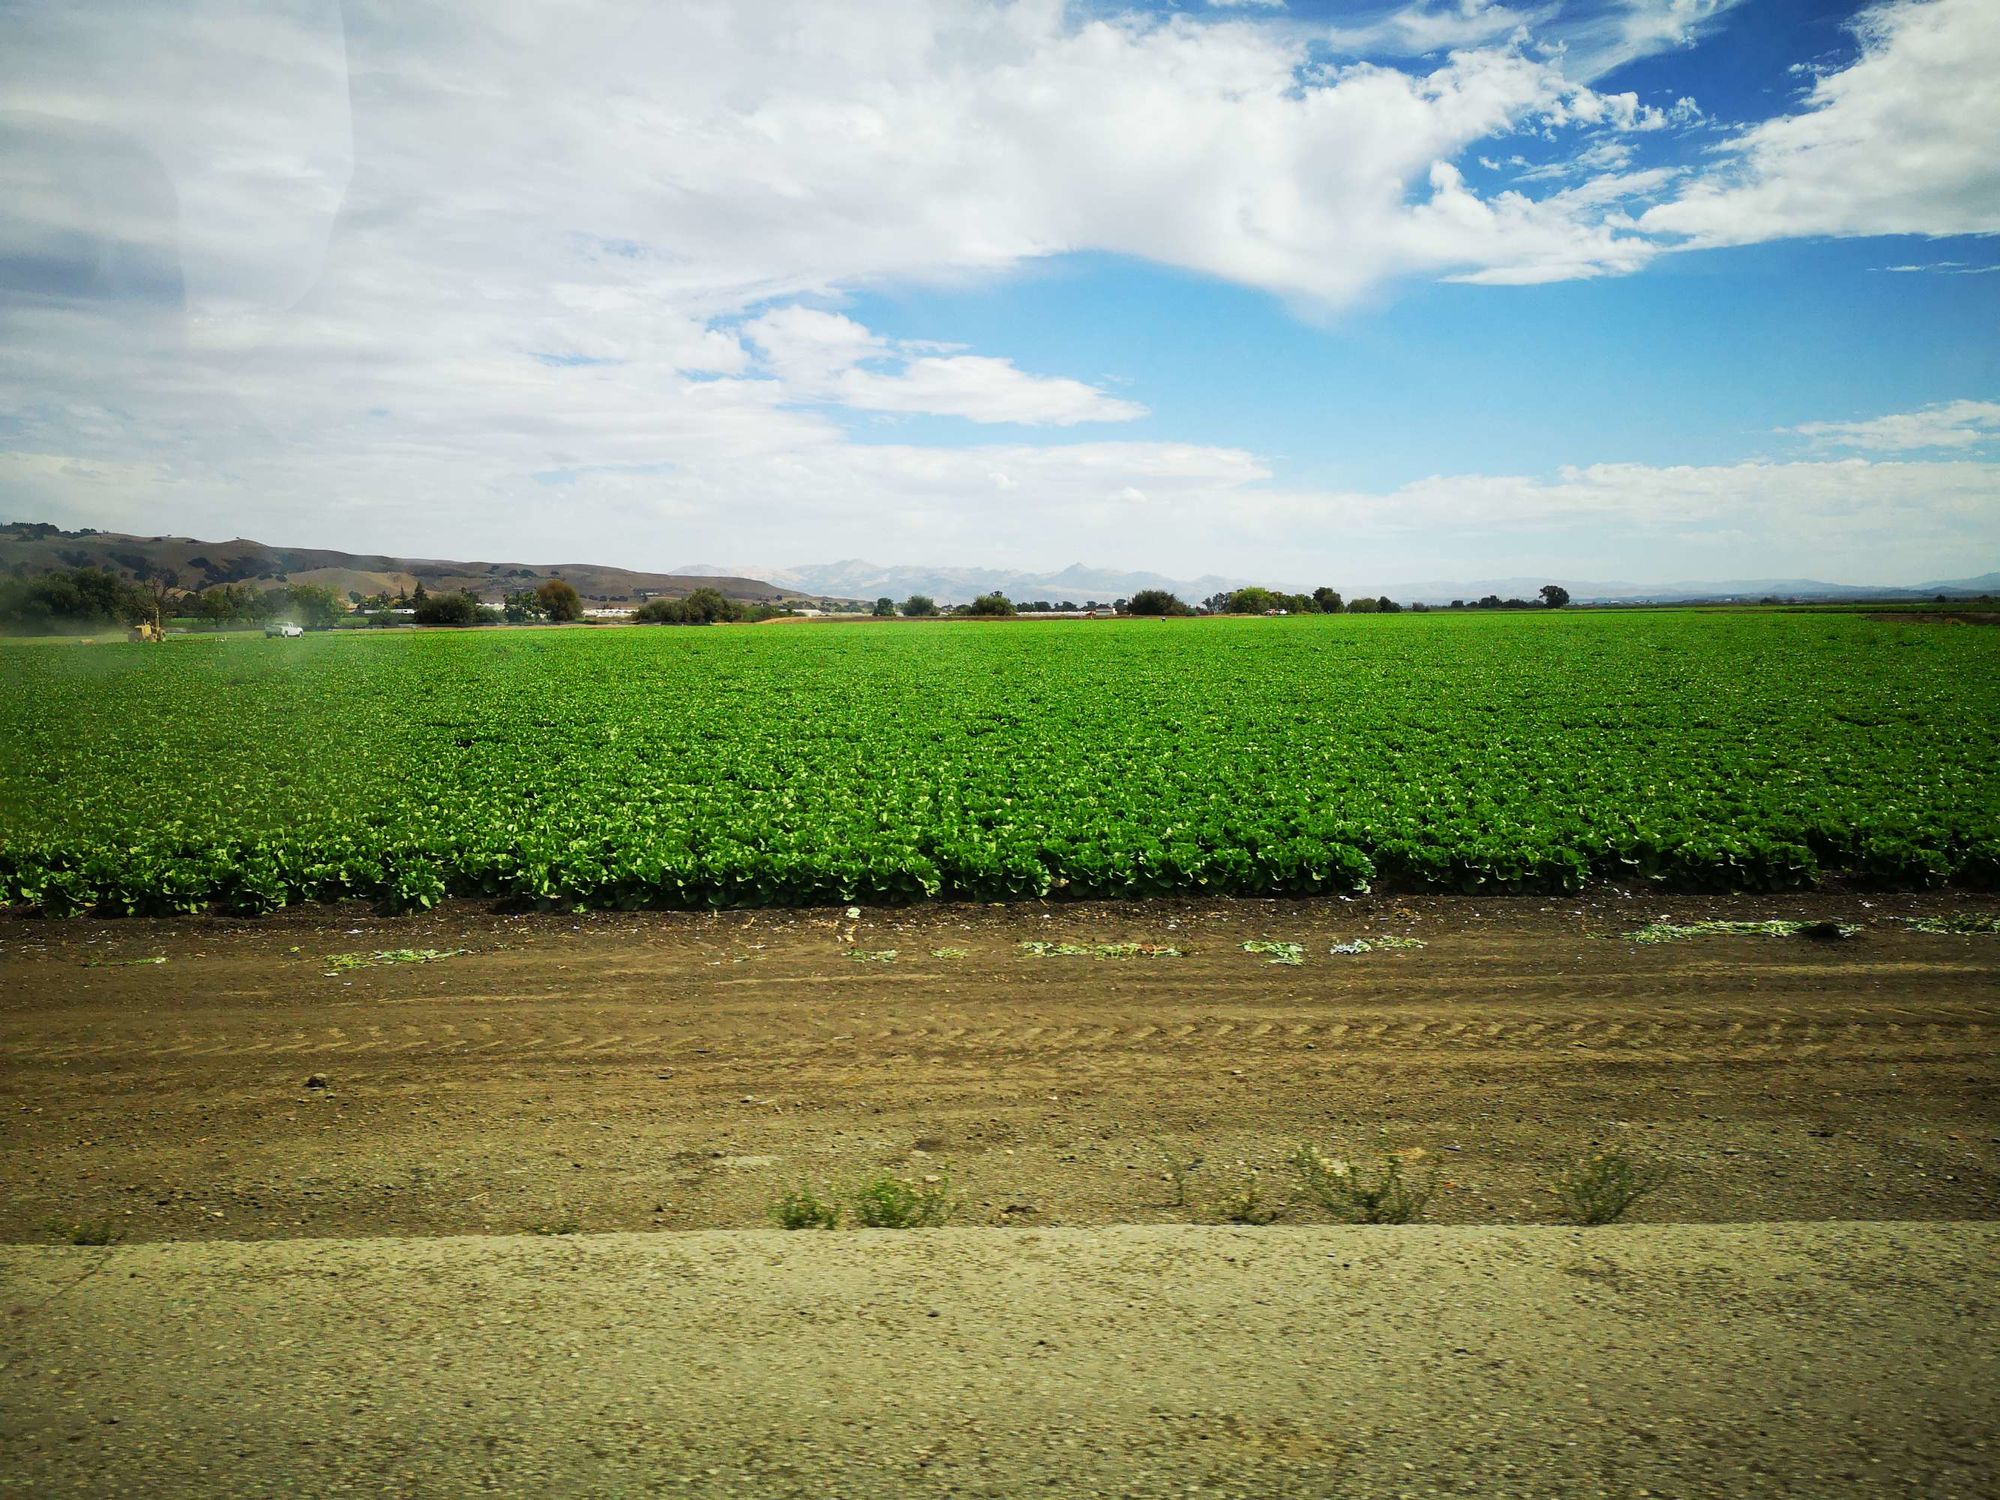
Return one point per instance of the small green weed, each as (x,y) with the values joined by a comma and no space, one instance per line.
(1178,1169)
(803,1208)
(1246,1205)
(951,953)
(1280,953)
(1601,1187)
(1381,1195)
(885,1201)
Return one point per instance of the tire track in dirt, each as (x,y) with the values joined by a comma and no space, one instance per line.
(1710,1031)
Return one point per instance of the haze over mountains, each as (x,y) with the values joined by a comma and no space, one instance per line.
(854,578)
(28,548)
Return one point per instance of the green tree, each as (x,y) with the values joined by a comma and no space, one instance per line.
(449,609)
(1253,601)
(1554,595)
(991,606)
(661,612)
(312,606)
(522,606)
(1328,600)
(918,606)
(885,608)
(1154,602)
(707,606)
(559,600)
(74,600)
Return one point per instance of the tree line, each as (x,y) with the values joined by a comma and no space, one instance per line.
(1244,601)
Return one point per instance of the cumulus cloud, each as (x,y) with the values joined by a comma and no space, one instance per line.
(822,356)
(1948,424)
(328,271)
(1900,142)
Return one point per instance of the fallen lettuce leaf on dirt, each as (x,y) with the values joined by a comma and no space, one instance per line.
(342,963)
(1674,932)
(1040,949)
(1956,924)
(1280,952)
(1389,943)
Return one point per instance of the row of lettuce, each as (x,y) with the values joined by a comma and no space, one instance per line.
(884,765)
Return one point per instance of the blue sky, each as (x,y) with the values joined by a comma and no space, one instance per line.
(1363,294)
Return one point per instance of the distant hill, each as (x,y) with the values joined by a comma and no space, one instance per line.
(855,579)
(28,549)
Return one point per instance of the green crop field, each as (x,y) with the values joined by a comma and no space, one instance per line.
(902,760)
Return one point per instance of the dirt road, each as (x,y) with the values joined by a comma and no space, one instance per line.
(681,1071)
(1693,1361)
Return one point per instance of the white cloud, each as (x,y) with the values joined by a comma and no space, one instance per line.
(417,275)
(1901,142)
(1602,39)
(1948,424)
(1421,29)
(1593,40)
(822,356)
(1946,268)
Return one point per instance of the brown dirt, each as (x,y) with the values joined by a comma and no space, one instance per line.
(661,1070)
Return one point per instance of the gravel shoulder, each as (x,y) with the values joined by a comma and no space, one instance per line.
(1687,1360)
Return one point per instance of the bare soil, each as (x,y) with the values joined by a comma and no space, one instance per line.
(681,1071)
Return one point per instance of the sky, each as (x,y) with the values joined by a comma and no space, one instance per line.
(1311,292)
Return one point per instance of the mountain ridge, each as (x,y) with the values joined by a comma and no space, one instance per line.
(28,549)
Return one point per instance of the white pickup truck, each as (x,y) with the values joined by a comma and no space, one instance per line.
(282,628)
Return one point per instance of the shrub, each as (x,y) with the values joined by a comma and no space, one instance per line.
(888,1202)
(991,605)
(1601,1187)
(97,1231)
(805,1209)
(1383,1195)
